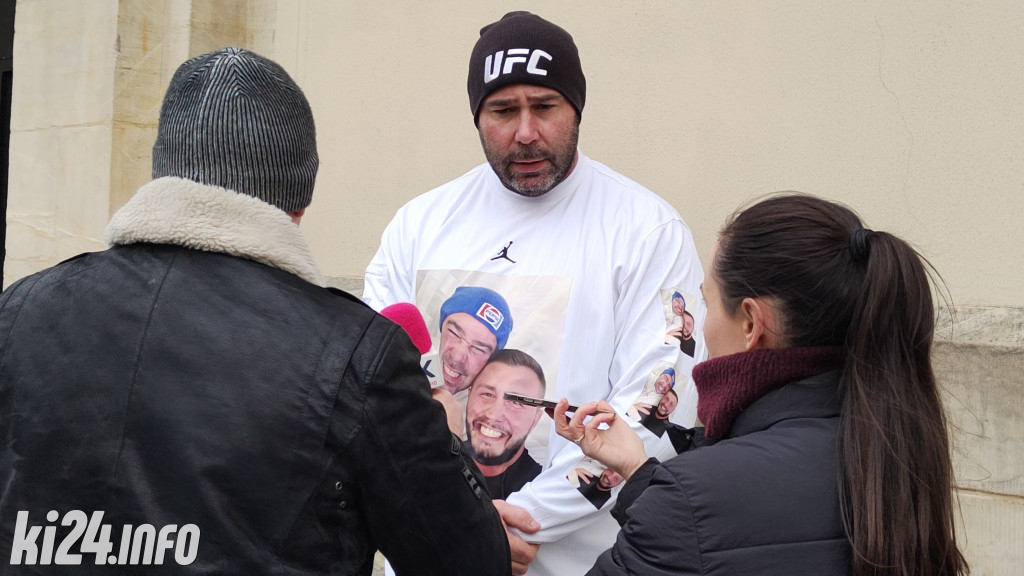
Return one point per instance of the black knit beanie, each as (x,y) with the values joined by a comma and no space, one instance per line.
(234,119)
(523,48)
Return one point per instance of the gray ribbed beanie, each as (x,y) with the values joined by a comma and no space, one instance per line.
(235,119)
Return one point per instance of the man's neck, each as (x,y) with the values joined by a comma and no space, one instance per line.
(575,161)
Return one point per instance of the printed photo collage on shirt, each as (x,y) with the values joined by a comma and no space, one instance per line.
(491,335)
(494,334)
(658,399)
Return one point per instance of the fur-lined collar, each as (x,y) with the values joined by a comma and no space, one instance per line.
(185,213)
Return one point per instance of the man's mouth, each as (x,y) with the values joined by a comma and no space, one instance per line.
(450,372)
(489,432)
(529,166)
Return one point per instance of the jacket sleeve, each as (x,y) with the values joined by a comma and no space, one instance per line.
(659,535)
(425,503)
(634,487)
(665,260)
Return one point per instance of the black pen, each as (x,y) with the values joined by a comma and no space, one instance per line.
(542,403)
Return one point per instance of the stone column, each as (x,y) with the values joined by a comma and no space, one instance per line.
(978,361)
(88,84)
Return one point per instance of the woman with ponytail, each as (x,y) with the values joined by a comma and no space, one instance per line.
(825,449)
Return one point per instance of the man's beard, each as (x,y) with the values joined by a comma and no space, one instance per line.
(561,160)
(497,459)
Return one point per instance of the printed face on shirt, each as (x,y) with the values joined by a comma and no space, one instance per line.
(678,307)
(663,383)
(687,325)
(529,135)
(609,479)
(497,428)
(466,345)
(667,404)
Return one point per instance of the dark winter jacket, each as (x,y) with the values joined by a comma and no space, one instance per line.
(762,501)
(195,374)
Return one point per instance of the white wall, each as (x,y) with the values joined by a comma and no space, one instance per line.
(910,112)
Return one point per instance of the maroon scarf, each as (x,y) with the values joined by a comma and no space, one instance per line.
(728,384)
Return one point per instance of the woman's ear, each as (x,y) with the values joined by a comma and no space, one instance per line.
(758,324)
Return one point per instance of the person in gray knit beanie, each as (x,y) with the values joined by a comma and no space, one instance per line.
(234,119)
(199,373)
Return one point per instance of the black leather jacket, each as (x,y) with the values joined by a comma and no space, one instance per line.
(289,423)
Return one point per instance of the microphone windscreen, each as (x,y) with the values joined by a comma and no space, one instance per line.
(409,318)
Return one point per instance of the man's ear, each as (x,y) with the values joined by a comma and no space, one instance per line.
(297,215)
(759,330)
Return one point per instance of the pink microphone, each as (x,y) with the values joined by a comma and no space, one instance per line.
(409,318)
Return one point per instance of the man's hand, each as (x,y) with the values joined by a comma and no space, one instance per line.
(523,552)
(584,475)
(452,409)
(643,408)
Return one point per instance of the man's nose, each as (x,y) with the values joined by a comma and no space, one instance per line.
(526,129)
(464,348)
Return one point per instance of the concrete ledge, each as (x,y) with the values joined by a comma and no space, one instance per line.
(991,325)
(984,398)
(351,284)
(990,530)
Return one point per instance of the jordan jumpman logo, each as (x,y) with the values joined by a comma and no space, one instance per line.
(504,253)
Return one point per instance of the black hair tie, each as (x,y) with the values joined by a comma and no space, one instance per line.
(859,247)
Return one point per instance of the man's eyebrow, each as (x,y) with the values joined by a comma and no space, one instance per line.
(501,102)
(485,386)
(453,325)
(482,344)
(512,101)
(544,98)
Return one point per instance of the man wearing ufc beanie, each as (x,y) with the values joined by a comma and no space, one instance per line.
(541,210)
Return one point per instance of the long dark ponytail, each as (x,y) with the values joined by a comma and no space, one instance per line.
(835,283)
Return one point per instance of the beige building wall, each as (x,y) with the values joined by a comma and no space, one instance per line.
(908,111)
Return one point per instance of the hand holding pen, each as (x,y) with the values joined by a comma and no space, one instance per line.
(605,436)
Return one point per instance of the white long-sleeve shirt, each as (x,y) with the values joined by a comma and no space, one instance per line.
(589,271)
